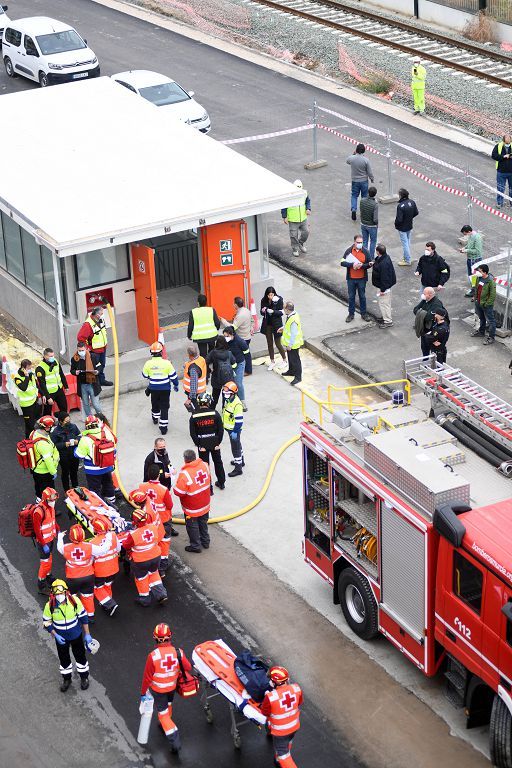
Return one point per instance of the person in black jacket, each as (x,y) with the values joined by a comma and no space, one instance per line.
(502,153)
(222,364)
(29,399)
(206,431)
(271,308)
(383,278)
(406,210)
(439,334)
(240,350)
(52,382)
(66,436)
(160,457)
(433,269)
(430,304)
(86,366)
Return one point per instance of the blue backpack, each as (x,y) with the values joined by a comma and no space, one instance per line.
(252,673)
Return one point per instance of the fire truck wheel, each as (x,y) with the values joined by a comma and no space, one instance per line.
(500,734)
(358,604)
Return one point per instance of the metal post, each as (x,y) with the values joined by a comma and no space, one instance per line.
(390,197)
(315,163)
(507,300)
(469,192)
(58,304)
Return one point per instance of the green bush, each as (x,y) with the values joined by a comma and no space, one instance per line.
(376,85)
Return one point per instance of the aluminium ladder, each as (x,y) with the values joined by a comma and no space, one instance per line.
(450,388)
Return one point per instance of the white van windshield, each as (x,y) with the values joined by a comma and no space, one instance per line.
(166,93)
(60,42)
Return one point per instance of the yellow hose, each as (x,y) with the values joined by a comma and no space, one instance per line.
(180,521)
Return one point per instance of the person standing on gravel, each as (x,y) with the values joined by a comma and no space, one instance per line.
(418,77)
(297,219)
(406,210)
(502,153)
(361,171)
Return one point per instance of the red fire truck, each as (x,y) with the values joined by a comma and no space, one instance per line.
(413,531)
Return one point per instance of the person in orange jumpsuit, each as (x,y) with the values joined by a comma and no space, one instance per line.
(160,677)
(79,556)
(143,546)
(106,566)
(161,500)
(281,705)
(45,533)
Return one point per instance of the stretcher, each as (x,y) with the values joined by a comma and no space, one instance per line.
(214,661)
(92,507)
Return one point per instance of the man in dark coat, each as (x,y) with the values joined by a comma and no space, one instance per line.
(383,278)
(406,211)
(429,303)
(160,457)
(433,269)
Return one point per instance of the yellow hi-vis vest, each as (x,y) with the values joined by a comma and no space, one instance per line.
(99,334)
(29,396)
(500,147)
(297,213)
(418,79)
(204,327)
(287,331)
(232,409)
(52,376)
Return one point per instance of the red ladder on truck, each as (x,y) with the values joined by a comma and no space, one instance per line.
(452,389)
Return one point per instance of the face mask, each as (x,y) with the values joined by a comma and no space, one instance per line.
(29,372)
(229,338)
(60,598)
(359,246)
(51,504)
(275,298)
(423,297)
(161,451)
(427,253)
(81,353)
(50,359)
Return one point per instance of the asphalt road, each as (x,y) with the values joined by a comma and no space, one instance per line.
(126,639)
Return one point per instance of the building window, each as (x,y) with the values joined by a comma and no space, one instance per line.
(105,265)
(30,263)
(467,581)
(252,233)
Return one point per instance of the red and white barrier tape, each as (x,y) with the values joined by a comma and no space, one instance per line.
(269,135)
(349,139)
(353,122)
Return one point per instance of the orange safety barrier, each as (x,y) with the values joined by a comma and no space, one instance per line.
(73,401)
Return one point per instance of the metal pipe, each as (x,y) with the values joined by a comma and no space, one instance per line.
(500,453)
(58,304)
(507,301)
(468,442)
(389,163)
(315,129)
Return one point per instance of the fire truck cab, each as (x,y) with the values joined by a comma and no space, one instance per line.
(413,531)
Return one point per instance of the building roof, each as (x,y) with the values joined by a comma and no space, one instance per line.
(488,536)
(88,164)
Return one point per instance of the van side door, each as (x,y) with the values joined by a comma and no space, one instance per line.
(30,56)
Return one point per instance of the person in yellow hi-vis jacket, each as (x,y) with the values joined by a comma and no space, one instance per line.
(418,77)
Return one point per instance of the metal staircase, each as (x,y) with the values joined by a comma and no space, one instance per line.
(450,388)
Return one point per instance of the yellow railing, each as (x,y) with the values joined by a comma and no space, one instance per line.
(325,404)
(351,389)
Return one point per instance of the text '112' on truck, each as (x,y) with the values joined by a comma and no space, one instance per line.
(408,516)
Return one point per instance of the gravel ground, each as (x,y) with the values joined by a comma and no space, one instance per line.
(351,60)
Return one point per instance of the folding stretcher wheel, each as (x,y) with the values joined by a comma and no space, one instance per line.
(208,713)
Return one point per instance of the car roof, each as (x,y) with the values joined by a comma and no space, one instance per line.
(142,78)
(40,25)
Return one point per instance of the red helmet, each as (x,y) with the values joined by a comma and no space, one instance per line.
(100,525)
(231,386)
(91,421)
(278,675)
(47,422)
(156,348)
(138,498)
(162,632)
(76,533)
(139,517)
(49,494)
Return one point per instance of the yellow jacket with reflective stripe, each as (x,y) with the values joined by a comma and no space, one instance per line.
(287,332)
(204,325)
(99,334)
(418,79)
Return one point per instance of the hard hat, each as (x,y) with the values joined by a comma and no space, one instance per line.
(231,386)
(417,58)
(278,675)
(49,494)
(137,497)
(91,421)
(156,347)
(59,586)
(139,517)
(204,399)
(298,183)
(47,422)
(76,533)
(162,632)
(100,525)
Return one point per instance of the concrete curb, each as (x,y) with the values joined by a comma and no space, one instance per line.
(429,125)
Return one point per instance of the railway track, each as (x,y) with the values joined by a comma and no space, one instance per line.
(474,61)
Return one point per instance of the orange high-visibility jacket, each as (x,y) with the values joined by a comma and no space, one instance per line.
(193,488)
(160,497)
(281,706)
(108,563)
(145,543)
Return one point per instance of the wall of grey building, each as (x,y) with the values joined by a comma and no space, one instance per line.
(32,315)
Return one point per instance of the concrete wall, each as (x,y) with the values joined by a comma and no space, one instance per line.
(449,18)
(32,315)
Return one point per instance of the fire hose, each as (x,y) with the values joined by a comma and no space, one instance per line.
(179,521)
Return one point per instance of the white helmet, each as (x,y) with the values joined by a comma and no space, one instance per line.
(298,183)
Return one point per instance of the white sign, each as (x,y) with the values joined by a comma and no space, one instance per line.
(142,266)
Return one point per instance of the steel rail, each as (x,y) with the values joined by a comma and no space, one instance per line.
(374,38)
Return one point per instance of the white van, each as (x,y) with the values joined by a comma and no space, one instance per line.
(47,51)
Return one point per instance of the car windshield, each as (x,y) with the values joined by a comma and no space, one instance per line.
(60,42)
(166,93)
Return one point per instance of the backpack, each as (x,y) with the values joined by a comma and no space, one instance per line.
(26,454)
(103,451)
(225,372)
(252,673)
(26,520)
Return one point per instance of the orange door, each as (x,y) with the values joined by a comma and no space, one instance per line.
(146,300)
(225,258)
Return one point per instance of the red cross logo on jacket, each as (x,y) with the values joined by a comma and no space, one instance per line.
(147,536)
(169,662)
(77,554)
(201,477)
(288,701)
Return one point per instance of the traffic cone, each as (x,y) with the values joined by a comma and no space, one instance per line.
(255,315)
(162,342)
(4,375)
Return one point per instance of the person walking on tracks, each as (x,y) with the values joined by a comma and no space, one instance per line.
(161,375)
(297,219)
(418,78)
(163,667)
(281,705)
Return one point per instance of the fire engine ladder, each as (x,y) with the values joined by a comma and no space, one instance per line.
(452,389)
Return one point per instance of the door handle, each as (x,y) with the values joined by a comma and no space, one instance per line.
(130,290)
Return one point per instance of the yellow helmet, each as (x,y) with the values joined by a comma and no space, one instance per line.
(59,586)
